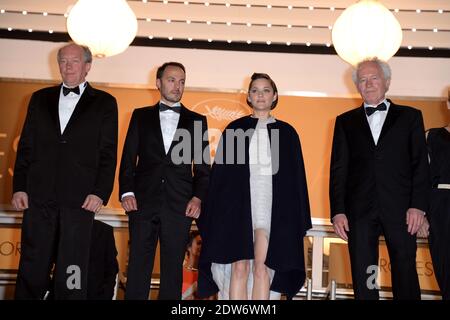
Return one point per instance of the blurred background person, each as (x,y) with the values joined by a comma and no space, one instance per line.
(190,266)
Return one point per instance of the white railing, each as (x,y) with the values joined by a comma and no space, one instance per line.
(321,229)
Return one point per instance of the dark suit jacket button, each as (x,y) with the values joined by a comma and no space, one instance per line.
(162,180)
(63,141)
(378,157)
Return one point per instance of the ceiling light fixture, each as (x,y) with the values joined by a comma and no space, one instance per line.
(107,27)
(366,29)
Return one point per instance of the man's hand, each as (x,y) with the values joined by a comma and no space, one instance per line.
(414,220)
(92,203)
(129,203)
(193,208)
(20,200)
(424,229)
(340,225)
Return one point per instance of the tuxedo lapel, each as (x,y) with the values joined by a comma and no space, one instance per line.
(391,117)
(364,123)
(53,108)
(155,128)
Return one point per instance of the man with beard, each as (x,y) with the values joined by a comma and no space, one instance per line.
(163,179)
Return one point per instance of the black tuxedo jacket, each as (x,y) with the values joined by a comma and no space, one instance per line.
(65,168)
(391,176)
(146,170)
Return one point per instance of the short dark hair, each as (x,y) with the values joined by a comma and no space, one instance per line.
(161,69)
(257,76)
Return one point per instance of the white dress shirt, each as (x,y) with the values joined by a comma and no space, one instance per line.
(376,120)
(67,104)
(168,120)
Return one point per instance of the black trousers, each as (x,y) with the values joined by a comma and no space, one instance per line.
(146,227)
(54,236)
(363,248)
(440,238)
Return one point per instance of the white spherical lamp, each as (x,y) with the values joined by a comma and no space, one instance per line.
(366,29)
(107,27)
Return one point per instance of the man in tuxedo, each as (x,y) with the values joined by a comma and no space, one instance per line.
(379,183)
(164,174)
(64,173)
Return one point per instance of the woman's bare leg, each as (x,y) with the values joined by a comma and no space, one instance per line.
(261,279)
(239,276)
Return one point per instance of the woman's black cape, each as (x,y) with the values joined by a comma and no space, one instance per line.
(225,222)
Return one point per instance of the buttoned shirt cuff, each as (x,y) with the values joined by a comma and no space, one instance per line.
(126,194)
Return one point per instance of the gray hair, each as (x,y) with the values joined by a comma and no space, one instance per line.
(87,54)
(383,65)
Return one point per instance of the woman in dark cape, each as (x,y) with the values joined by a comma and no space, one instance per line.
(253,221)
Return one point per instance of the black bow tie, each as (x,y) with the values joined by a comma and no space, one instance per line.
(74,90)
(164,107)
(372,110)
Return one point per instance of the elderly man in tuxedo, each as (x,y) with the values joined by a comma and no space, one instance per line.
(164,175)
(379,180)
(64,173)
